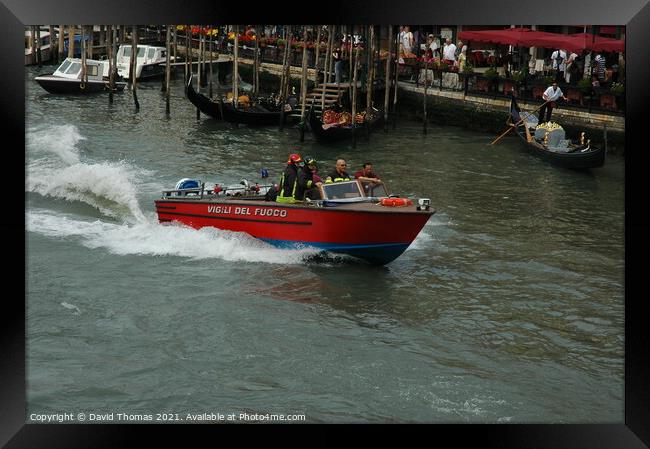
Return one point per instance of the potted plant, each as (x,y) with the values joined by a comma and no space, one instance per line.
(518,76)
(548,80)
(467,68)
(585,85)
(491,73)
(617,89)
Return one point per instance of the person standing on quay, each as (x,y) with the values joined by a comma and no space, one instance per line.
(449,51)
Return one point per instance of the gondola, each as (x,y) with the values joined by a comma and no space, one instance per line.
(337,133)
(203,103)
(559,152)
(254,115)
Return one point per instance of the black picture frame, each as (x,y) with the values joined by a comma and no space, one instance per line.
(635,15)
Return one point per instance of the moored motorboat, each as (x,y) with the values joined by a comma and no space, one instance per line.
(347,219)
(150,61)
(547,141)
(68,78)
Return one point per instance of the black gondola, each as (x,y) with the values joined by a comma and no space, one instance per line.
(337,133)
(203,103)
(568,154)
(254,115)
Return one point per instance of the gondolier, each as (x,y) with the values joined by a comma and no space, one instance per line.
(550,96)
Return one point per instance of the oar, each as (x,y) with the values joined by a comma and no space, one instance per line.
(515,125)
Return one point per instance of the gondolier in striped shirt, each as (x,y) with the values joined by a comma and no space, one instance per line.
(550,96)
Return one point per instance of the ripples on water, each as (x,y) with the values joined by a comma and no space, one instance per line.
(508,307)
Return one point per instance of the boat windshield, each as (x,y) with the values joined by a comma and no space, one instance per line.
(374,189)
(341,190)
(127,52)
(75,67)
(150,53)
(64,66)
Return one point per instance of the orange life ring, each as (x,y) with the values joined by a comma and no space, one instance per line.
(394,202)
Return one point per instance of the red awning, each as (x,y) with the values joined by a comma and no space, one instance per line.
(598,43)
(507,36)
(526,37)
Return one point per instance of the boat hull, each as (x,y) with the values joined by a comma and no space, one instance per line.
(203,103)
(57,85)
(368,231)
(252,117)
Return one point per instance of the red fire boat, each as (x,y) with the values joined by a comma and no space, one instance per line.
(355,218)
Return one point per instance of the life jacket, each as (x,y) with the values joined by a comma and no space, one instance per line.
(285,182)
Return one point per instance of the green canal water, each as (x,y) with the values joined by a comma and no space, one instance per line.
(507,308)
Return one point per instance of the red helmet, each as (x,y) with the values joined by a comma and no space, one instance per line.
(294,158)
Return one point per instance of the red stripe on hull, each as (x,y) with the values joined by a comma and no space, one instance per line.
(366,224)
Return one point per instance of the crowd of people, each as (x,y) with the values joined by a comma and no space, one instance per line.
(300,180)
(567,67)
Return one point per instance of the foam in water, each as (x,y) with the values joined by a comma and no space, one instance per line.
(153,239)
(56,170)
(60,141)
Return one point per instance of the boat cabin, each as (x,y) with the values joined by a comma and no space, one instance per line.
(71,68)
(147,55)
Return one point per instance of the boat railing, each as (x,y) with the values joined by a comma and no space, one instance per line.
(198,191)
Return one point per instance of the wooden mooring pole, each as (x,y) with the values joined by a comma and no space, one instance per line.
(111,67)
(188,52)
(210,83)
(354,97)
(51,55)
(235,69)
(199,71)
(303,85)
(370,78)
(387,76)
(256,63)
(134,60)
(38,45)
(424,102)
(167,70)
(61,43)
(286,72)
(395,80)
(84,67)
(317,54)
